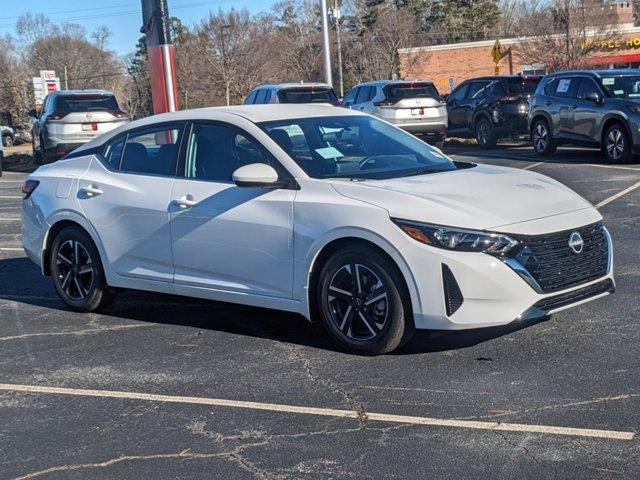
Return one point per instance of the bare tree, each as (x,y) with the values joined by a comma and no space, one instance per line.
(562,34)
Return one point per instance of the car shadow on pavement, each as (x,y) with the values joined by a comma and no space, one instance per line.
(18,163)
(35,290)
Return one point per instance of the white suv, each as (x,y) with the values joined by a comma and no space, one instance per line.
(413,106)
(70,118)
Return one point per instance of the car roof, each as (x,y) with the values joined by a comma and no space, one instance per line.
(598,73)
(507,77)
(282,86)
(382,83)
(90,91)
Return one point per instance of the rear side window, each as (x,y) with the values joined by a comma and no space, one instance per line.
(251,98)
(113,153)
(477,89)
(566,87)
(152,151)
(411,90)
(550,87)
(308,95)
(86,103)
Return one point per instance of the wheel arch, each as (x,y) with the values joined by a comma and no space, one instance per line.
(477,117)
(610,120)
(335,244)
(55,228)
(540,116)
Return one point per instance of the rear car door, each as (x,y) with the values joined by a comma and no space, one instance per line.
(125,193)
(565,95)
(228,238)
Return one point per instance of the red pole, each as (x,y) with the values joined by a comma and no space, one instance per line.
(160,52)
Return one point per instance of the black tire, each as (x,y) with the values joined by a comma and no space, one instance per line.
(371,314)
(485,133)
(542,139)
(77,271)
(616,145)
(7,141)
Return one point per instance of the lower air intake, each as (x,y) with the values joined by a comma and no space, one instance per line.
(452,295)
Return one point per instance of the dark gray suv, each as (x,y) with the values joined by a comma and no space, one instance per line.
(598,109)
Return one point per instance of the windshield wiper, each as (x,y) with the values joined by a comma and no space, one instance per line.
(422,171)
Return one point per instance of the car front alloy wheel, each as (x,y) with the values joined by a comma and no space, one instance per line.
(616,145)
(363,303)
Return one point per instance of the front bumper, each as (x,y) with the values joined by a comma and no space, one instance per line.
(494,294)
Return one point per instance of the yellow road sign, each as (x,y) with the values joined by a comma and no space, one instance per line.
(496,51)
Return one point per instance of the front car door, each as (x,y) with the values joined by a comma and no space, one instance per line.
(226,238)
(454,106)
(125,193)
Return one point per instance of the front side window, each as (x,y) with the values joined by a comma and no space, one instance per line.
(622,86)
(351,96)
(358,147)
(215,151)
(459,93)
(153,151)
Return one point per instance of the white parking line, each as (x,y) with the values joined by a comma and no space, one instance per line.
(533,165)
(326,412)
(607,201)
(11,249)
(12,197)
(10,219)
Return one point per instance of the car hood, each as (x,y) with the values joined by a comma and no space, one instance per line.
(482,197)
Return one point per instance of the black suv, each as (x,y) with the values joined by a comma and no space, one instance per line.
(491,107)
(599,109)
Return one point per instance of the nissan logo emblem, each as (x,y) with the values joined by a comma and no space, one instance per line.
(576,243)
(89,115)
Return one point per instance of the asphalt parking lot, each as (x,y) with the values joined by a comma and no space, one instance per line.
(171,388)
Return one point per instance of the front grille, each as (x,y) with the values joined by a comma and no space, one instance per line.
(554,266)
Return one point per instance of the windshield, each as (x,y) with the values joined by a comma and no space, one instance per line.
(411,90)
(308,95)
(86,103)
(357,147)
(626,86)
(526,86)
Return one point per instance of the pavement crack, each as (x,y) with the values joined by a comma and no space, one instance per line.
(86,331)
(516,446)
(354,405)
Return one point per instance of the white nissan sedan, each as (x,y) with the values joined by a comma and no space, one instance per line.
(334,214)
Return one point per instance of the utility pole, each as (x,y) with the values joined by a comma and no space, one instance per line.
(66,78)
(155,17)
(337,17)
(325,43)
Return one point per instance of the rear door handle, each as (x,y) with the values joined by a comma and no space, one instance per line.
(91,191)
(548,102)
(185,202)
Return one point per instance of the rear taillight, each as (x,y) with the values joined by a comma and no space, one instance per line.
(118,113)
(28,187)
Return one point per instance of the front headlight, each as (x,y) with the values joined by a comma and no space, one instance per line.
(457,239)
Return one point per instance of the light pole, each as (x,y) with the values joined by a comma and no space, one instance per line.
(224,62)
(325,43)
(337,18)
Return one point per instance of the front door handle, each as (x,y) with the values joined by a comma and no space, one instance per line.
(185,202)
(548,102)
(91,191)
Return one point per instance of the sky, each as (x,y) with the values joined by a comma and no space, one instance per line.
(123,17)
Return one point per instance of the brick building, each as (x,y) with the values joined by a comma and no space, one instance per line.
(448,65)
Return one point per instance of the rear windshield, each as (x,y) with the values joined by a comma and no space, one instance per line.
(411,90)
(308,95)
(526,86)
(86,103)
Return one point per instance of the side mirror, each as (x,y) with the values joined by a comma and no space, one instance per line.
(257,175)
(33,113)
(593,97)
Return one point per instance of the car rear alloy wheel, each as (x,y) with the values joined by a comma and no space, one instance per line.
(616,147)
(363,303)
(77,272)
(7,141)
(485,134)
(543,144)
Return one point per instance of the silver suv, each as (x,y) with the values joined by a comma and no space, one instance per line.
(69,118)
(599,109)
(413,106)
(292,93)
